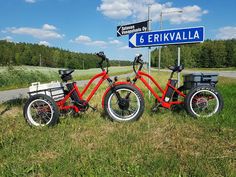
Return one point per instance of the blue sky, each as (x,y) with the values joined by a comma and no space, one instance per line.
(90,25)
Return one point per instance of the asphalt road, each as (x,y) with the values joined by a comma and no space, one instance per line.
(23,92)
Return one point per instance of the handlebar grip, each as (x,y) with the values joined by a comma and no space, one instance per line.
(103,58)
(101,55)
(138,59)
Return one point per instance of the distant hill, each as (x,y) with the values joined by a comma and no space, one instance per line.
(40,55)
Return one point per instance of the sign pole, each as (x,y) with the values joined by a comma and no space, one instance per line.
(149,51)
(178,65)
(159,55)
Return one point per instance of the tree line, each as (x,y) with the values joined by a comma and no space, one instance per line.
(40,55)
(209,54)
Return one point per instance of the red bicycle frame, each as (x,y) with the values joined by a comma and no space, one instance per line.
(103,76)
(160,99)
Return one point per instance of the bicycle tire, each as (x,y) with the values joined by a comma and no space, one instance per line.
(41,108)
(114,115)
(198,100)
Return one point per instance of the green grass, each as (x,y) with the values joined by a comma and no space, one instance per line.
(161,144)
(23,76)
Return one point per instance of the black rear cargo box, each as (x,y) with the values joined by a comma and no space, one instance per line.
(196,79)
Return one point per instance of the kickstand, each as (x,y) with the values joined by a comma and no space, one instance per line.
(156,106)
(93,108)
(5,110)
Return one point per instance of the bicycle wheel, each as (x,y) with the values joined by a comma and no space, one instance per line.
(41,110)
(203,101)
(128,107)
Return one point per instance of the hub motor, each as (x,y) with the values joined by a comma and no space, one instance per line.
(124,104)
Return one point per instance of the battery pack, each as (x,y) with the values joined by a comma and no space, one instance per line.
(170,90)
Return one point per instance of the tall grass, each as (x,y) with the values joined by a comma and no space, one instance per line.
(15,78)
(18,77)
(161,144)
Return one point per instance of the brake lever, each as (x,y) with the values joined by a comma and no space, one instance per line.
(141,61)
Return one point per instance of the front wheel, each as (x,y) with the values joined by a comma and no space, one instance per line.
(203,101)
(124,103)
(41,110)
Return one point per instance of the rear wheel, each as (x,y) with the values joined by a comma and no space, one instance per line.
(203,101)
(41,110)
(124,103)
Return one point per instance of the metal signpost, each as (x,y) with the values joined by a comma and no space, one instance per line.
(135,28)
(132,28)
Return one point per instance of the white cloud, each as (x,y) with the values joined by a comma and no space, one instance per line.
(138,10)
(82,39)
(98,43)
(125,48)
(7,38)
(189,14)
(30,1)
(44,43)
(228,32)
(86,40)
(116,42)
(49,27)
(115,9)
(46,32)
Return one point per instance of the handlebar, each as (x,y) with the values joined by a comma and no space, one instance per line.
(138,60)
(104,58)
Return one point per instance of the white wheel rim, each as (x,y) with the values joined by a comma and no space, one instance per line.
(123,118)
(30,117)
(215,97)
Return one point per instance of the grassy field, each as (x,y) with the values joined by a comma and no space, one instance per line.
(23,76)
(161,144)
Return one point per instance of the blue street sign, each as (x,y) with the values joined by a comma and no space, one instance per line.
(167,37)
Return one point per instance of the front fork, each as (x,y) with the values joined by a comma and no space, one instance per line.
(113,89)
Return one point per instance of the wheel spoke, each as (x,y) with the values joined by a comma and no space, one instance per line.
(127,96)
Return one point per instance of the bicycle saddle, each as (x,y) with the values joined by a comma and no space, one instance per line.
(65,71)
(176,68)
(66,74)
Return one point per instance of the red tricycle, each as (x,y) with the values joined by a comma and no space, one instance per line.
(122,101)
(197,95)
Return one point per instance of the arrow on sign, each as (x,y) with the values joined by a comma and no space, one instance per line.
(132,40)
(118,31)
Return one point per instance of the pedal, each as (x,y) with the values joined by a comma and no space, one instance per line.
(155,108)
